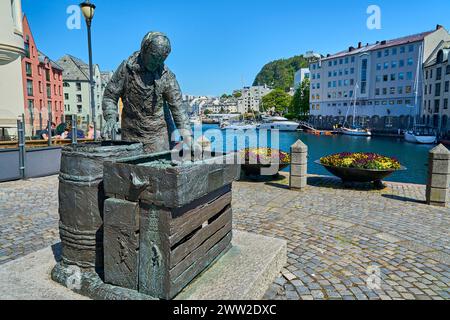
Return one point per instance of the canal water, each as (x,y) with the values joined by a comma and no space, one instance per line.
(413,157)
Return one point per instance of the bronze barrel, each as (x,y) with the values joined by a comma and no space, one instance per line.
(81,199)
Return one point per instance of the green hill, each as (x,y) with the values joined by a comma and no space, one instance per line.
(280,73)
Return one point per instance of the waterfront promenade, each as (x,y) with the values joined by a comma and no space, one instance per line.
(336,237)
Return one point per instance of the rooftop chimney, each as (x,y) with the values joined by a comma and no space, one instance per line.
(359,45)
(438,27)
(350,49)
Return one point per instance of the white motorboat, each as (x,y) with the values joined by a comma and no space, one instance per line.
(238,126)
(278,123)
(421,135)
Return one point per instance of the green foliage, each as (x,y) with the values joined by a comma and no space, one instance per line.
(237,94)
(300,102)
(280,73)
(207,112)
(277,99)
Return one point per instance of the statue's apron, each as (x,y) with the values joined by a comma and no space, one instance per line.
(143,117)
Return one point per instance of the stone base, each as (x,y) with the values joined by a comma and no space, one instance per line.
(243,273)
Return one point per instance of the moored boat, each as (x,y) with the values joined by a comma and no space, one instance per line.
(278,123)
(356,132)
(421,135)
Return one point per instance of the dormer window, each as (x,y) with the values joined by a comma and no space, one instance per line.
(440,57)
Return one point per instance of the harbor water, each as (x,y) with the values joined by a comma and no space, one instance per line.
(413,157)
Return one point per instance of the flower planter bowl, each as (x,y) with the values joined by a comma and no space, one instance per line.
(255,169)
(359,175)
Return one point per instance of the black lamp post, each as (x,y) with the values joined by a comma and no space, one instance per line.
(88,10)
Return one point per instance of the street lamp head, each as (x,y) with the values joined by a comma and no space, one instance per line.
(88,10)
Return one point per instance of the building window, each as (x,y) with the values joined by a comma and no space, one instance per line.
(408,89)
(448,69)
(445,104)
(49,91)
(392,90)
(437,90)
(78,84)
(66,96)
(447,86)
(411,48)
(409,75)
(28,69)
(401,63)
(401,76)
(47,74)
(386,65)
(40,87)
(436,105)
(79,98)
(27,49)
(393,77)
(66,85)
(400,90)
(80,109)
(30,88)
(439,73)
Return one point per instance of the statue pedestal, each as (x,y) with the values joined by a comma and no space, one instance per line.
(245,272)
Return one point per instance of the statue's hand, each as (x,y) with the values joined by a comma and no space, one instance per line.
(111,126)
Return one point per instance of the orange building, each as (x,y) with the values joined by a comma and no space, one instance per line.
(42,84)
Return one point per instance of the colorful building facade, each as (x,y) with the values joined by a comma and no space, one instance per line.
(42,85)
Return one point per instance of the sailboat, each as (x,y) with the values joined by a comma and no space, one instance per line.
(420,134)
(354,130)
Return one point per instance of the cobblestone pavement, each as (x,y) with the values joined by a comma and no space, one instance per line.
(28,217)
(339,239)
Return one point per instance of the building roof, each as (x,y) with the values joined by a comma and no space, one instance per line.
(445,48)
(379,45)
(74,68)
(42,57)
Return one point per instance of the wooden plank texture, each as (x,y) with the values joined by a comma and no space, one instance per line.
(199,253)
(190,221)
(200,237)
(200,265)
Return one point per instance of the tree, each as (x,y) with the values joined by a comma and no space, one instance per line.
(300,102)
(207,112)
(237,94)
(277,99)
(280,73)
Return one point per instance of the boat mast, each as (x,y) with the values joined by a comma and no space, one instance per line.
(416,83)
(354,104)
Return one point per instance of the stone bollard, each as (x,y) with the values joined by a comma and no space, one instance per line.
(299,166)
(438,177)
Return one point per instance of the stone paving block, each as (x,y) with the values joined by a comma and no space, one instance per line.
(299,158)
(298,182)
(299,170)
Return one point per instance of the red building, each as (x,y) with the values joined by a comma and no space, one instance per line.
(43,86)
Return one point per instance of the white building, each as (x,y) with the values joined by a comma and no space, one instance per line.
(11,51)
(300,76)
(77,94)
(380,79)
(251,98)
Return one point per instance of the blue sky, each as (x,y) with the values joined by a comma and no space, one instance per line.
(218,45)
